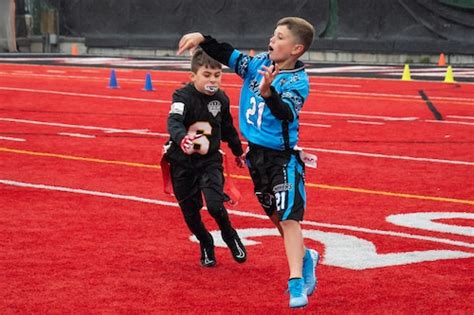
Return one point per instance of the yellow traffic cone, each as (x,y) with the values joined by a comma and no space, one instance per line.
(449,78)
(406,73)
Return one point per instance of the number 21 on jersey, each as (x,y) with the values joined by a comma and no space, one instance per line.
(255,113)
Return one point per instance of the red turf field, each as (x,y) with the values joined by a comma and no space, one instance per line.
(86,228)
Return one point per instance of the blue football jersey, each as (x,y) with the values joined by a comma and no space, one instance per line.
(257,124)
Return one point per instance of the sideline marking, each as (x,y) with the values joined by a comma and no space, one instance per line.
(235,212)
(321,186)
(430,105)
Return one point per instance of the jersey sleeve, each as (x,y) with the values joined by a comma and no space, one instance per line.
(278,107)
(219,51)
(295,93)
(240,63)
(177,114)
(295,101)
(227,55)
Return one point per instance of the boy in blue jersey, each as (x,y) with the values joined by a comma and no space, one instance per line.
(274,89)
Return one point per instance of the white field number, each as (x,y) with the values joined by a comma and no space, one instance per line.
(355,253)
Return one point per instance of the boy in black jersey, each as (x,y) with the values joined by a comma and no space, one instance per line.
(199,119)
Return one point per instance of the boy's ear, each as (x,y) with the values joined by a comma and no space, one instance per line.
(298,49)
(192,76)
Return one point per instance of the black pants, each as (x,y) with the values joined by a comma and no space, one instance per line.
(191,182)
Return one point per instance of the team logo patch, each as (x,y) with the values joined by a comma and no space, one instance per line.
(177,108)
(214,107)
(282,187)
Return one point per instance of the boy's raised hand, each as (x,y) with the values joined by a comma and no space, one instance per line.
(268,73)
(189,42)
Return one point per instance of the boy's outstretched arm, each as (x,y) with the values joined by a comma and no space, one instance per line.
(219,51)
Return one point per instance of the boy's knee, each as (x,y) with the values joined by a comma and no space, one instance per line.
(215,208)
(192,218)
(190,206)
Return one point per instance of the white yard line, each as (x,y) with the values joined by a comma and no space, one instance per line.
(387,156)
(123,98)
(460,117)
(145,132)
(106,130)
(315,125)
(234,212)
(450,122)
(12,139)
(76,135)
(365,122)
(387,118)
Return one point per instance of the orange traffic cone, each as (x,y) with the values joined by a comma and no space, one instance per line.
(74,50)
(441,60)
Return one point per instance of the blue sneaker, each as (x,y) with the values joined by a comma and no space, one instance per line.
(298,297)
(310,263)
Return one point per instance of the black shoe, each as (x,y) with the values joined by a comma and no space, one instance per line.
(237,249)
(208,258)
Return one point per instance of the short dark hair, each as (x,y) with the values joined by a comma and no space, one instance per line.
(300,28)
(200,58)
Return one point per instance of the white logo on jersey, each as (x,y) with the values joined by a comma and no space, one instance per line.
(214,107)
(177,108)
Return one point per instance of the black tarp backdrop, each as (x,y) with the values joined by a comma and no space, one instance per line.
(402,26)
(160,24)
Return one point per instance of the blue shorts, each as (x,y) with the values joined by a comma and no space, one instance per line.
(279,181)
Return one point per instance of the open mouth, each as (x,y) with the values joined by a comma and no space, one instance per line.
(211,88)
(270,48)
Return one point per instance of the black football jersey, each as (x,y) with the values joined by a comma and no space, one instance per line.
(204,116)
